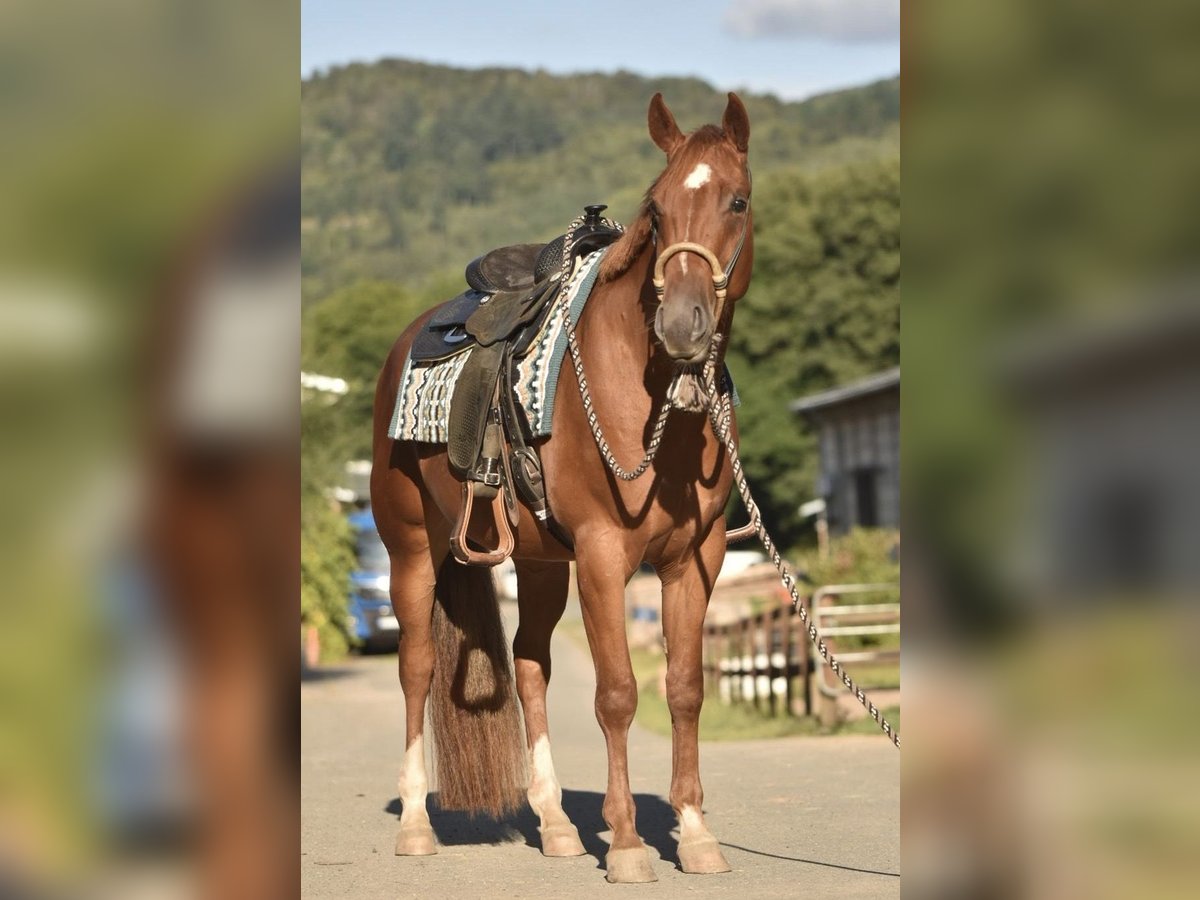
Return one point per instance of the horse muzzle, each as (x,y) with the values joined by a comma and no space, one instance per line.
(685,330)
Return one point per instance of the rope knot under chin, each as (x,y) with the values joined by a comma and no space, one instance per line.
(687,392)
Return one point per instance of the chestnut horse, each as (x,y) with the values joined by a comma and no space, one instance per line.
(632,345)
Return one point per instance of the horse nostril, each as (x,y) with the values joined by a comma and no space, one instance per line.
(697,323)
(658,323)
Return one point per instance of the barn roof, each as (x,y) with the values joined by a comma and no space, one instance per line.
(872,384)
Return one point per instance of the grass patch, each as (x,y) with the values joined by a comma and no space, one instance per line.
(874,675)
(719,722)
(867,725)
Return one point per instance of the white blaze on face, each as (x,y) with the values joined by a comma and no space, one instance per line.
(699,177)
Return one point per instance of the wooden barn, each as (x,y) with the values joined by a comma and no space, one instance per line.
(858,433)
(1113,440)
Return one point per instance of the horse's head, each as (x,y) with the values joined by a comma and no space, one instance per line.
(698,213)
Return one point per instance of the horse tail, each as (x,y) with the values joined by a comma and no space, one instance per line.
(479,750)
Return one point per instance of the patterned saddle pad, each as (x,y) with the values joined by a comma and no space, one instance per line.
(422,409)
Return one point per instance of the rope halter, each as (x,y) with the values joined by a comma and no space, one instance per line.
(719,276)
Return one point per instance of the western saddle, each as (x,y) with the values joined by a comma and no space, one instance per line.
(510,292)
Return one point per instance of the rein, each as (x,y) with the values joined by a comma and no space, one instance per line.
(720,411)
(585,395)
(720,277)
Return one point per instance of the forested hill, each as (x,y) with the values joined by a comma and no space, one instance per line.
(410,169)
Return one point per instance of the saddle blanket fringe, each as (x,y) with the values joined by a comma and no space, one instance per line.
(423,400)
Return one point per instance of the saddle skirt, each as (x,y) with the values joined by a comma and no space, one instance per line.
(422,408)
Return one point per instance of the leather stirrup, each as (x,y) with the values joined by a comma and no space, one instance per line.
(460,546)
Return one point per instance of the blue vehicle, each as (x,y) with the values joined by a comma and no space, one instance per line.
(371,618)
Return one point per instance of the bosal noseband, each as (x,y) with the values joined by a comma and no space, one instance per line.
(720,276)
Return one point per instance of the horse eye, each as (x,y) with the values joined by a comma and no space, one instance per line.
(738,205)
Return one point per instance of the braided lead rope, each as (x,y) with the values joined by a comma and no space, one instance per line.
(585,394)
(720,414)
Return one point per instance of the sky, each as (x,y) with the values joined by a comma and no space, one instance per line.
(791,48)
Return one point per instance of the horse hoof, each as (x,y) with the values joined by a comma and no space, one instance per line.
(415,840)
(561,840)
(629,866)
(702,857)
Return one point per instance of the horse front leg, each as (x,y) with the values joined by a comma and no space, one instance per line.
(602,572)
(686,590)
(541,599)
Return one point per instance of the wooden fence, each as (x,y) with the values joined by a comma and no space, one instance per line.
(767,661)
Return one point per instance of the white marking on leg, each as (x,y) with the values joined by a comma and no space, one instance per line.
(699,177)
(544,790)
(691,825)
(414,785)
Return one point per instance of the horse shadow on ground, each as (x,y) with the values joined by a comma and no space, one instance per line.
(655,821)
(323,673)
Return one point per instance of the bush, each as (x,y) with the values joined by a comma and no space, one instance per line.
(863,556)
(326,561)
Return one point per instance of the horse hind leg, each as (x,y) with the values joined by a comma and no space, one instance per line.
(541,598)
(415,551)
(412,591)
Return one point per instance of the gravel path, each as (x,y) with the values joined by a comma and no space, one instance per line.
(813,817)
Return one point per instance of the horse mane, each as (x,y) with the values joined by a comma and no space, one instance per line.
(628,247)
(625,251)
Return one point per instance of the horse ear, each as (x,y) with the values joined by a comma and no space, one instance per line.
(737,123)
(663,130)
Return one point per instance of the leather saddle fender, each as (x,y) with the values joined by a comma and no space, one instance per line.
(469,405)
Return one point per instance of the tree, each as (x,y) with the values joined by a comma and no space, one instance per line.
(826,268)
(409,168)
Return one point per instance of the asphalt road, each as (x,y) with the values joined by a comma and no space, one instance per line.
(796,817)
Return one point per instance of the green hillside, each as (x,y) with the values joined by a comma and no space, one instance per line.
(410,169)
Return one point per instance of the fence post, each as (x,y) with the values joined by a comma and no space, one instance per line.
(740,684)
(808,661)
(828,713)
(748,647)
(760,702)
(766,632)
(788,649)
